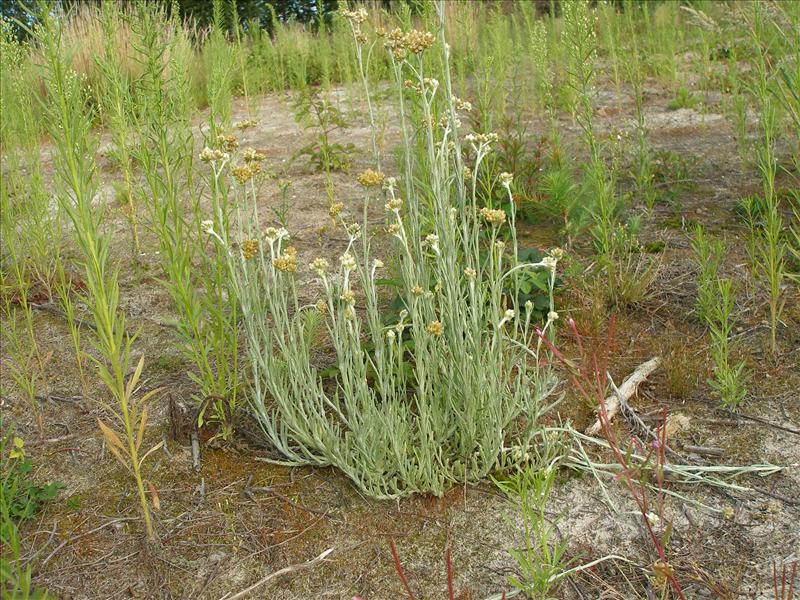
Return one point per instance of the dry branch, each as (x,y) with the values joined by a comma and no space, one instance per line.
(284,571)
(626,390)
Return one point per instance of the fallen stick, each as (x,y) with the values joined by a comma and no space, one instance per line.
(195,451)
(705,450)
(284,571)
(626,390)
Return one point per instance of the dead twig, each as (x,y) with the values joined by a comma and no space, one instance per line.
(626,390)
(195,451)
(278,573)
(705,450)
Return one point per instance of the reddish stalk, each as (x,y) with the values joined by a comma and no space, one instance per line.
(450,591)
(784,593)
(592,387)
(399,568)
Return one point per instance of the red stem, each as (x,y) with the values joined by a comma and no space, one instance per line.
(596,380)
(398,567)
(450,591)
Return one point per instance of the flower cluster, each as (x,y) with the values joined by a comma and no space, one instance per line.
(462,104)
(435,328)
(481,138)
(394,205)
(319,266)
(287,262)
(432,241)
(353,230)
(249,249)
(335,209)
(506,179)
(507,316)
(357,16)
(250,155)
(370,178)
(245,172)
(400,43)
(418,41)
(229,143)
(271,234)
(495,216)
(347,261)
(209,155)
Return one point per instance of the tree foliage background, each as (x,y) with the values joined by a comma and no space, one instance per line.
(260,12)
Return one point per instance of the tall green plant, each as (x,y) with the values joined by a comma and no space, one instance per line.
(70,126)
(114,94)
(194,275)
(581,42)
(715,306)
(771,244)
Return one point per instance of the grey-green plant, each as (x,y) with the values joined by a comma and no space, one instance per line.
(381,409)
(356,18)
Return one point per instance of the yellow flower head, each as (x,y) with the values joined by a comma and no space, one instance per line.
(287,262)
(229,143)
(418,41)
(496,216)
(335,209)
(370,178)
(243,173)
(435,328)
(249,249)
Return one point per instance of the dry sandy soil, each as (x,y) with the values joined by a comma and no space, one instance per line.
(238,519)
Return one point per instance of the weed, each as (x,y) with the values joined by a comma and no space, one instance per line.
(20,499)
(589,379)
(771,243)
(70,128)
(319,113)
(729,378)
(709,256)
(681,370)
(541,560)
(683,99)
(715,305)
